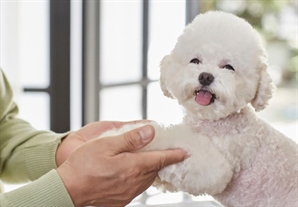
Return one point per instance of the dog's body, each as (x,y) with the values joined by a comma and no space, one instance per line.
(235,157)
(239,160)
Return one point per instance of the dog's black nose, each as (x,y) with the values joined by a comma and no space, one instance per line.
(206,78)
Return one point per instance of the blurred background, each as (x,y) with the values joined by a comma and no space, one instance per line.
(72,62)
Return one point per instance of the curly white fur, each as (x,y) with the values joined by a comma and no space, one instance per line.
(235,156)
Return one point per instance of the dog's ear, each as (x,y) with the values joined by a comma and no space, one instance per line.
(264,90)
(164,67)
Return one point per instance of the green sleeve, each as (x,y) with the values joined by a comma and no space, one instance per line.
(26,154)
(47,191)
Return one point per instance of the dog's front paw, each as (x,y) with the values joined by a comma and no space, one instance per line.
(198,175)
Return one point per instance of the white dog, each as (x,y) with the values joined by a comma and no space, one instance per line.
(217,72)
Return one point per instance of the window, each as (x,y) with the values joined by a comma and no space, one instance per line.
(27,54)
(125,48)
(134,37)
(35,55)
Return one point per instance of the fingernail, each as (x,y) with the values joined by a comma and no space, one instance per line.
(146,133)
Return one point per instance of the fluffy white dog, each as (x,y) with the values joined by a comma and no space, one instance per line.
(217,72)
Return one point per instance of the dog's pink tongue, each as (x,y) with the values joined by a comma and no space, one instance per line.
(203,98)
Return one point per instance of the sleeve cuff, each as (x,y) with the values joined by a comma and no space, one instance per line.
(43,158)
(48,190)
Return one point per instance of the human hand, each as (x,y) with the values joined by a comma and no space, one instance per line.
(86,133)
(107,171)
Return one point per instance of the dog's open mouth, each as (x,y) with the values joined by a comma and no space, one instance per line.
(204,97)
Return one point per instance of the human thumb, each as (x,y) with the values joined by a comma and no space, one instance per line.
(135,139)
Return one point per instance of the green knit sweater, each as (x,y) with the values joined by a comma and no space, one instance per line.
(28,155)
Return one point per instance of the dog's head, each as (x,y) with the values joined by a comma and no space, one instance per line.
(217,67)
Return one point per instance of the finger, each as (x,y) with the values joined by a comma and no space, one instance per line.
(156,160)
(95,129)
(108,125)
(132,140)
(118,124)
(145,121)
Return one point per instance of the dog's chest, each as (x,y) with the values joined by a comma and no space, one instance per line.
(235,137)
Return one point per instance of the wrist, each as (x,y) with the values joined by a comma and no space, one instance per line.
(60,155)
(68,144)
(72,185)
(63,150)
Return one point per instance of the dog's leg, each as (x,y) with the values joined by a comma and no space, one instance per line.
(206,171)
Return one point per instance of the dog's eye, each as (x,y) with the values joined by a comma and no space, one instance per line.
(195,61)
(229,67)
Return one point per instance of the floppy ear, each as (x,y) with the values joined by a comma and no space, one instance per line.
(264,90)
(164,67)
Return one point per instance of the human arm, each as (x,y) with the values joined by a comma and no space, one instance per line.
(26,154)
(103,172)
